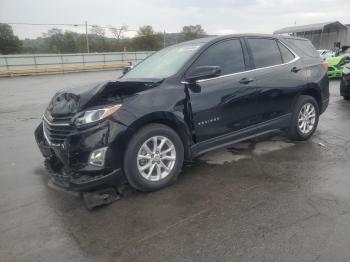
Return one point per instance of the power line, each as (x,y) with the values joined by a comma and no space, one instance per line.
(19,23)
(75,25)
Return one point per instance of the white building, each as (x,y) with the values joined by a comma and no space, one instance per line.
(327,35)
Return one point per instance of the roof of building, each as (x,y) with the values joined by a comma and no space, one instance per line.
(327,26)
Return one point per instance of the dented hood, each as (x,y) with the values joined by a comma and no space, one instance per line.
(72,100)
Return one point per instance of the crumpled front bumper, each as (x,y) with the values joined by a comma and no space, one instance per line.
(68,180)
(69,170)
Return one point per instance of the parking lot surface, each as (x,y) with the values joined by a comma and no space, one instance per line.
(263,200)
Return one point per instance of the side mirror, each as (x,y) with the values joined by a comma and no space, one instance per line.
(127,69)
(202,72)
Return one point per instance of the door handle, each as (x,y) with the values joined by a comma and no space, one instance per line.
(246,80)
(295,69)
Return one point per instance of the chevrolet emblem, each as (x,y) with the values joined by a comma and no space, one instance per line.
(50,118)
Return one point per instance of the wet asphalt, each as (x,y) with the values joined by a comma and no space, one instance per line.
(265,200)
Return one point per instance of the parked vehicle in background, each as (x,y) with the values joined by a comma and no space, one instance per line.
(179,103)
(346,57)
(345,83)
(335,66)
(324,54)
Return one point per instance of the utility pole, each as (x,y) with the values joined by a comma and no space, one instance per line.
(87,38)
(164,39)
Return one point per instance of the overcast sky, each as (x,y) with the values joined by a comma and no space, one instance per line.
(216,16)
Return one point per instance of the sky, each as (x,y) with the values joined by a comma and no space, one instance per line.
(215,16)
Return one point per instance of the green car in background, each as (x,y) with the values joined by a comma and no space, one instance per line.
(336,65)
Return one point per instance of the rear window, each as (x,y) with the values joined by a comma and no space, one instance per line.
(265,52)
(287,55)
(305,46)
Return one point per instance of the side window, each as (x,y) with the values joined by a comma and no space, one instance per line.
(227,54)
(305,46)
(265,52)
(287,55)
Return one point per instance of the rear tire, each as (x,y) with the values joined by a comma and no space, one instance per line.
(346,97)
(148,167)
(304,119)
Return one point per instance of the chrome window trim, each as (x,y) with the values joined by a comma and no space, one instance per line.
(52,124)
(296,58)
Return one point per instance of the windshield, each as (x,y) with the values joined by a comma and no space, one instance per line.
(164,63)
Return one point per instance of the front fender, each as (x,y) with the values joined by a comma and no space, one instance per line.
(175,120)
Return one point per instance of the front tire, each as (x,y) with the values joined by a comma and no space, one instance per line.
(304,119)
(153,158)
(347,97)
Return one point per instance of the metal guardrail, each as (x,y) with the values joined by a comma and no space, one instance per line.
(11,65)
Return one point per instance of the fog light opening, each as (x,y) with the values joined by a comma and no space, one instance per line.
(97,157)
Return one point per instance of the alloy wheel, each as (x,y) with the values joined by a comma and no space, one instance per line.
(156,158)
(307,118)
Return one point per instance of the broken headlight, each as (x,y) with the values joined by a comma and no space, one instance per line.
(95,115)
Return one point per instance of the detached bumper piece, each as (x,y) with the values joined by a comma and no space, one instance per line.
(100,197)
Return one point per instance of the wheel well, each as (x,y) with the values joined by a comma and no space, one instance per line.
(312,91)
(183,133)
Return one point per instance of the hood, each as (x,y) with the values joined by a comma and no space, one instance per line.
(73,100)
(332,61)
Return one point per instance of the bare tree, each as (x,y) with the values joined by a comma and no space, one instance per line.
(118,32)
(97,30)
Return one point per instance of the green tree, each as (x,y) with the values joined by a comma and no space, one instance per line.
(191,32)
(59,42)
(147,39)
(9,43)
(55,40)
(69,42)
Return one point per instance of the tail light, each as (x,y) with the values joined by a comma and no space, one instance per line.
(325,66)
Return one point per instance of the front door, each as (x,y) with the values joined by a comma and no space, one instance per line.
(226,103)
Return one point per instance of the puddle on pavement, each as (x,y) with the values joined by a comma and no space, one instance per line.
(245,150)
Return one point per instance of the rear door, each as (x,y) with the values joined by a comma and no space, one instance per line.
(227,103)
(280,75)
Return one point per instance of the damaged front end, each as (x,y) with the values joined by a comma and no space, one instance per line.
(83,134)
(68,152)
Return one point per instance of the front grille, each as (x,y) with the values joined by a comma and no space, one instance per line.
(61,119)
(57,133)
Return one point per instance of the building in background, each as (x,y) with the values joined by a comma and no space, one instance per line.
(329,35)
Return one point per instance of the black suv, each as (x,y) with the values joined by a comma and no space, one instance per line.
(179,103)
(345,83)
